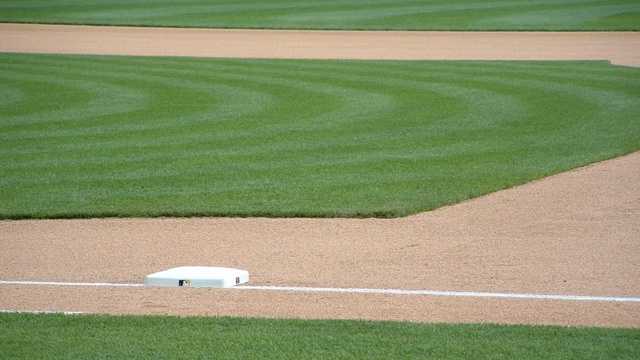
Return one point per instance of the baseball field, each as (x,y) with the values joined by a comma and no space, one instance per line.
(393,194)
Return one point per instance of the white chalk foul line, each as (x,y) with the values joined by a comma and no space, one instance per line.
(5,311)
(472,294)
(445,293)
(57,283)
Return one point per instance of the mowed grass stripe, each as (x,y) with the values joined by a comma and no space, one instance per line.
(87,136)
(343,14)
(271,84)
(336,78)
(27,336)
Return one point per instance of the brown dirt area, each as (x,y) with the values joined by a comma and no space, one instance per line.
(619,47)
(573,233)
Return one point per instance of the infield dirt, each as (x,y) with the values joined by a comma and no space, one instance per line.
(621,48)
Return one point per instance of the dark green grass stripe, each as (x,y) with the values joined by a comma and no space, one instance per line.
(89,136)
(343,14)
(25,336)
(271,82)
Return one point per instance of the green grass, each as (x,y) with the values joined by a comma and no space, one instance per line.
(107,337)
(119,136)
(336,14)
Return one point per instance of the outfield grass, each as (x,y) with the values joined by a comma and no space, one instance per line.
(344,14)
(124,136)
(100,337)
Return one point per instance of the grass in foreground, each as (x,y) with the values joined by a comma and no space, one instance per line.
(25,336)
(345,14)
(124,136)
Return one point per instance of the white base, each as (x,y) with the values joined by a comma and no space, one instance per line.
(198,276)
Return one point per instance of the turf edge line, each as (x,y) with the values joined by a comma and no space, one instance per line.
(47,312)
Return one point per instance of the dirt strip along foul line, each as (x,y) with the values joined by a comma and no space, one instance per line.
(473,294)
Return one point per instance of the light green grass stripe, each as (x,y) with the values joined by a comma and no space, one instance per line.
(24,336)
(336,14)
(126,136)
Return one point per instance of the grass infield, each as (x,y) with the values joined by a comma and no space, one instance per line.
(25,336)
(344,14)
(91,136)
